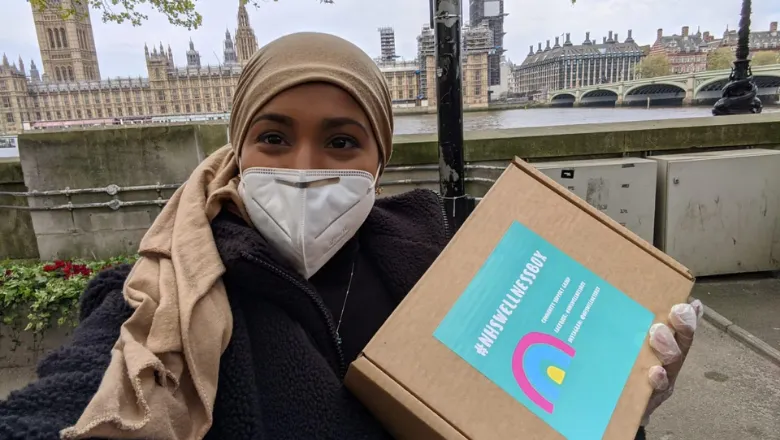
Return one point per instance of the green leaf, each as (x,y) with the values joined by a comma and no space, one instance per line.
(35,300)
(180,13)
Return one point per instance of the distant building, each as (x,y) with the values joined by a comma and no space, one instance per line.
(387,44)
(759,40)
(67,46)
(426,54)
(246,42)
(403,81)
(475,45)
(491,13)
(687,53)
(71,88)
(569,66)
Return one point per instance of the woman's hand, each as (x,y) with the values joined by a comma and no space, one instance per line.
(671,346)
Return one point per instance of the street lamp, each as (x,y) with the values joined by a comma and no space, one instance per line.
(446,22)
(740,94)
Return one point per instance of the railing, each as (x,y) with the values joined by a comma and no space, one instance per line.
(115,190)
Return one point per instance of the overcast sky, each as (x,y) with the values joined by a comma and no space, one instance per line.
(120,47)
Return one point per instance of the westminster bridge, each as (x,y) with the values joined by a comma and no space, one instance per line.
(686,89)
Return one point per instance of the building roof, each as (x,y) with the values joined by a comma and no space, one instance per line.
(116,83)
(758,39)
(691,43)
(587,49)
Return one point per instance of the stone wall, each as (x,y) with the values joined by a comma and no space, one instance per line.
(17,237)
(106,162)
(113,159)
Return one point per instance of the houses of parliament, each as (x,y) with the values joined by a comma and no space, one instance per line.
(70,90)
(71,87)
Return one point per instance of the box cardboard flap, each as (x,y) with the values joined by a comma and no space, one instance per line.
(395,407)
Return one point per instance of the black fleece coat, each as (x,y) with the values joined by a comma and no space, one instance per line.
(281,374)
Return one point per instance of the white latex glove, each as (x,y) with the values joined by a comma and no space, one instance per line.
(671,346)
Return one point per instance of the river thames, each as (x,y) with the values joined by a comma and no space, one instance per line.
(542,117)
(537,117)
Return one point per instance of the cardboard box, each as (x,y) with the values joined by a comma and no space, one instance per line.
(532,324)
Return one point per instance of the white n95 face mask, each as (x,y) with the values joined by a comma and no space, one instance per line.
(307,215)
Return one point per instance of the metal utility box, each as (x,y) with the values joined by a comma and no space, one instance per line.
(622,188)
(719,212)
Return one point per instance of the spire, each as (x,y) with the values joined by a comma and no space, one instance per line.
(34,75)
(170,55)
(21,64)
(146,50)
(245,40)
(5,61)
(243,16)
(193,56)
(230,55)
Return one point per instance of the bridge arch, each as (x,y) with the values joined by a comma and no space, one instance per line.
(662,93)
(710,91)
(599,98)
(563,100)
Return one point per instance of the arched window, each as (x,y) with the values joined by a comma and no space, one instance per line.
(51,39)
(86,72)
(59,75)
(64,38)
(70,73)
(57,38)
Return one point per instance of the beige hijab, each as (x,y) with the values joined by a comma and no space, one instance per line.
(162,379)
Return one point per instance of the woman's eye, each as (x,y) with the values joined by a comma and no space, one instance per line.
(343,143)
(271,138)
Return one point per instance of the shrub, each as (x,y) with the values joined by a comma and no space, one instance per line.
(36,296)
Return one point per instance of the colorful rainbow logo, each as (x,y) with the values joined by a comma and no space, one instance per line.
(539,365)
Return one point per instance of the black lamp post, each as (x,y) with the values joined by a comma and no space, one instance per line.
(740,94)
(446,22)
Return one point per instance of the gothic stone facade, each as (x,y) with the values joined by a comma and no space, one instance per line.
(71,89)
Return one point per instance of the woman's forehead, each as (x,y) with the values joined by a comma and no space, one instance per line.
(313,101)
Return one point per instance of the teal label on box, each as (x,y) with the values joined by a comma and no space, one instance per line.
(548,331)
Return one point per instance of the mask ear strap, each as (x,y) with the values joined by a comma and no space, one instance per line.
(377,189)
(376,176)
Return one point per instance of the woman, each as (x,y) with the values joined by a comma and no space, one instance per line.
(263,277)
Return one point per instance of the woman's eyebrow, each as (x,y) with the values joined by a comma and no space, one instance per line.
(331,123)
(274,117)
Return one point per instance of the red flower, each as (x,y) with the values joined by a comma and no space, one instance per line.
(8,272)
(68,269)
